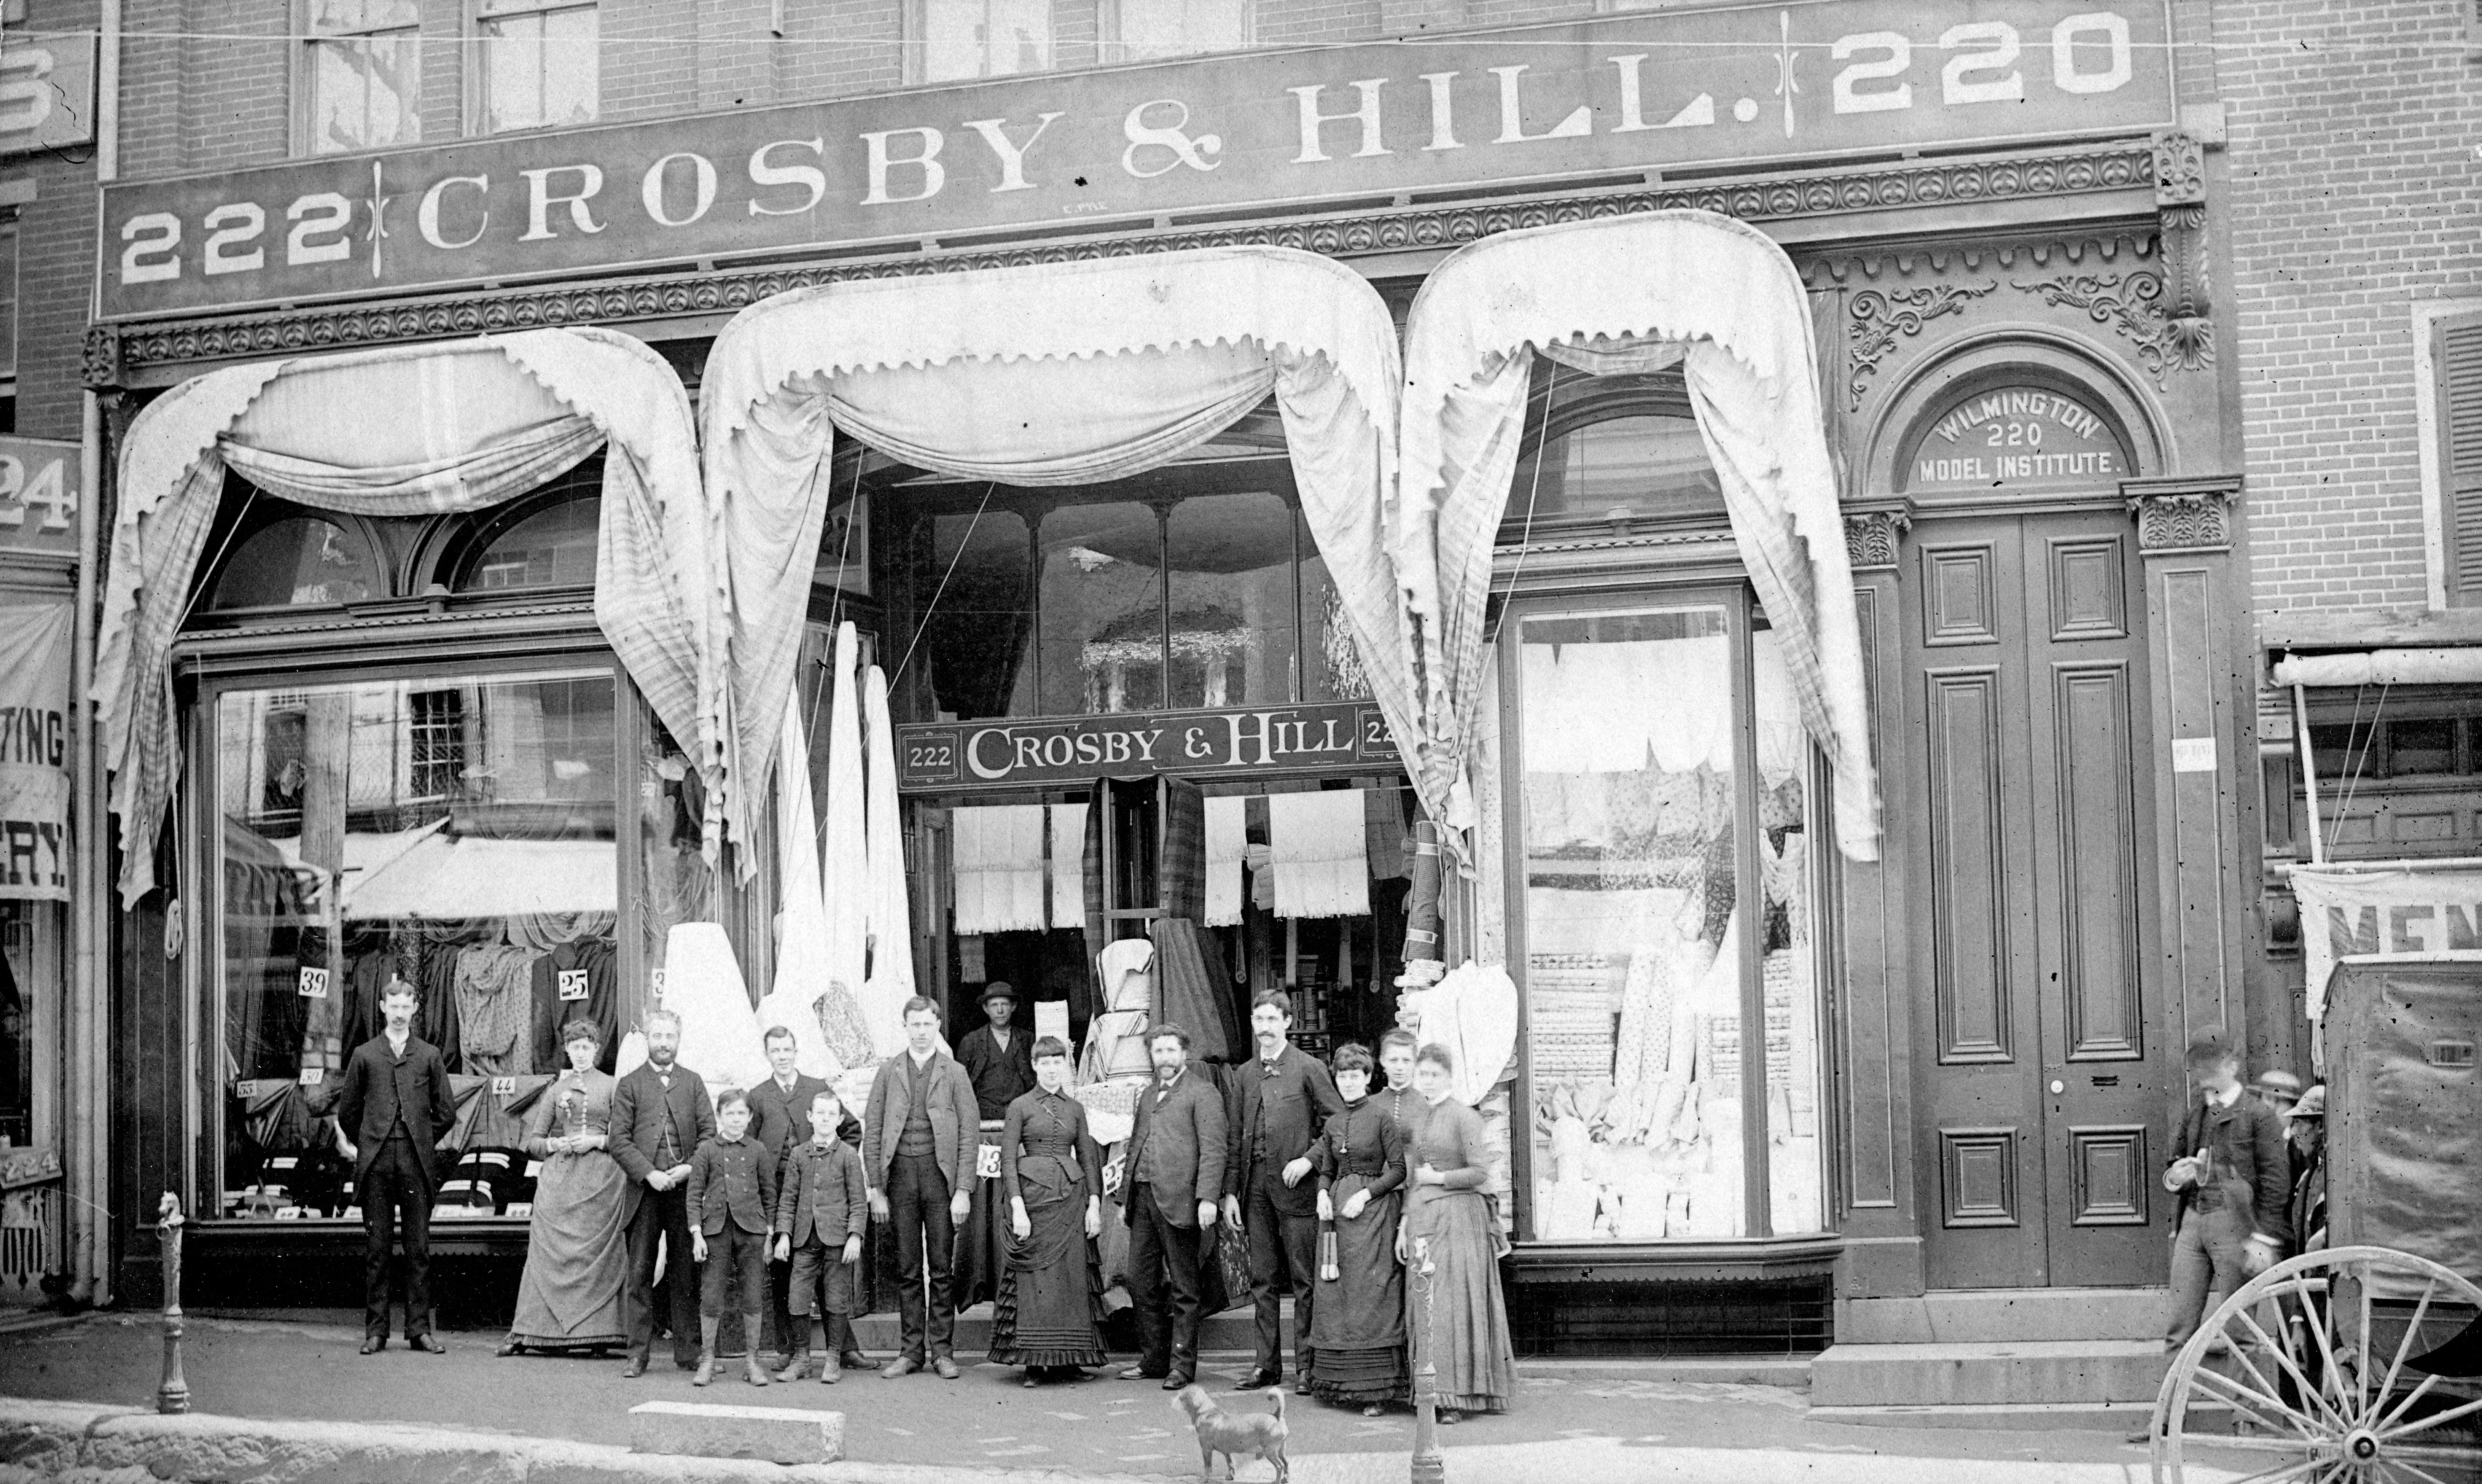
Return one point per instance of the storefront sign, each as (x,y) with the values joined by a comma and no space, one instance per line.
(34,750)
(46,89)
(1617,96)
(2356,911)
(948,755)
(38,496)
(2017,436)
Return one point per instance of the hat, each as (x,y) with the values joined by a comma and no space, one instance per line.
(997,988)
(2312,1104)
(2277,1083)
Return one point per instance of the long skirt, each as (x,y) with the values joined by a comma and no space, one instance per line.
(981,1237)
(577,1257)
(1455,1314)
(1050,1305)
(1358,1330)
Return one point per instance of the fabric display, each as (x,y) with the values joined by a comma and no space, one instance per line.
(1067,869)
(815,989)
(1116,1038)
(1228,839)
(494,987)
(575,981)
(997,850)
(702,985)
(1385,836)
(888,982)
(1315,841)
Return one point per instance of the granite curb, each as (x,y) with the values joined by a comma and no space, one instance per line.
(78,1442)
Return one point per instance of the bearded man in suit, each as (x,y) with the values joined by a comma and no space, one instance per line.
(660,1115)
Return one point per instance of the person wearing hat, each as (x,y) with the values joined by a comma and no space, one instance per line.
(2278,1089)
(2304,1129)
(999,1059)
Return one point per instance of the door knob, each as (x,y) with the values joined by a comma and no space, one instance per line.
(2058,1087)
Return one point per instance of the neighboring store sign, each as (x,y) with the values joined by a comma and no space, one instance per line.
(2017,435)
(46,89)
(34,750)
(1624,95)
(1192,744)
(2347,912)
(38,496)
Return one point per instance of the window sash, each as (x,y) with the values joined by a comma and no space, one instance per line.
(538,66)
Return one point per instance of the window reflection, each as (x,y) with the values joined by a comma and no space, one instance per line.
(1102,609)
(1649,465)
(297,562)
(963,38)
(550,549)
(978,638)
(1331,661)
(1796,1168)
(1232,616)
(1146,30)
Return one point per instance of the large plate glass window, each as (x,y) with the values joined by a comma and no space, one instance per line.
(359,76)
(540,64)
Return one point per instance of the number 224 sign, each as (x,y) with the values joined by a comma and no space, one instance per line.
(38,496)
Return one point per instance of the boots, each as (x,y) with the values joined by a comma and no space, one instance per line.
(797,1348)
(708,1325)
(840,1339)
(751,1368)
(833,1368)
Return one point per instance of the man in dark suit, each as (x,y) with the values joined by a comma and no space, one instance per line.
(998,1058)
(1282,1100)
(779,1112)
(395,1100)
(917,1150)
(1170,1175)
(660,1115)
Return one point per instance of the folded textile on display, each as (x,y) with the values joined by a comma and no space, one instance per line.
(998,851)
(804,982)
(1316,839)
(1474,1013)
(888,982)
(1068,866)
(1227,836)
(843,849)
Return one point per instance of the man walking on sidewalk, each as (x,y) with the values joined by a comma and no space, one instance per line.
(1285,1098)
(396,1102)
(660,1116)
(917,1150)
(1170,1175)
(2233,1177)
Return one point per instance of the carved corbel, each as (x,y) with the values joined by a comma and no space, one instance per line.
(99,360)
(1871,538)
(2183,512)
(2181,205)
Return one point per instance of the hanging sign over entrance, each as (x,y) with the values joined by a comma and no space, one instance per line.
(1626,96)
(949,755)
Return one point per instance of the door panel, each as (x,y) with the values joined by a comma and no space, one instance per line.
(2030,720)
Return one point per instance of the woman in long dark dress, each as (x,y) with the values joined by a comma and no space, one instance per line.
(577,1247)
(1453,1309)
(1050,1314)
(1359,1328)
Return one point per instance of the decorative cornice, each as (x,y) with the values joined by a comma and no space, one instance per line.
(113,352)
(2191,512)
(2132,304)
(1878,316)
(2179,171)
(1871,538)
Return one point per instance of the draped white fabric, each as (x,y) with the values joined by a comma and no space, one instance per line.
(402,432)
(844,849)
(890,981)
(802,971)
(1626,293)
(1055,374)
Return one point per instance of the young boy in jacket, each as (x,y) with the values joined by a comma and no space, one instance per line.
(2230,1173)
(819,1219)
(732,1195)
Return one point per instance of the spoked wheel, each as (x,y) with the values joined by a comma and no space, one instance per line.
(2301,1378)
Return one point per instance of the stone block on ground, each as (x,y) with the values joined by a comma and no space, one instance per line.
(781,1435)
(200,1449)
(43,1435)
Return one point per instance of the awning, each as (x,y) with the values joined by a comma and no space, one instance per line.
(1060,373)
(1625,295)
(408,432)
(2383,667)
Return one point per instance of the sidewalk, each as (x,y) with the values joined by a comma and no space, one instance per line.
(1610,1422)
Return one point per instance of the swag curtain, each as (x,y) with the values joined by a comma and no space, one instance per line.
(1608,297)
(407,431)
(1054,374)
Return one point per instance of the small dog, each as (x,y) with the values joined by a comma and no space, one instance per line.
(1236,1434)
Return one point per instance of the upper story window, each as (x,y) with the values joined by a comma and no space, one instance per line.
(550,549)
(1146,30)
(968,38)
(2450,339)
(360,79)
(300,561)
(1601,449)
(539,64)
(961,40)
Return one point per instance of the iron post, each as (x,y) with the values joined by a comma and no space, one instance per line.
(1429,1467)
(173,1395)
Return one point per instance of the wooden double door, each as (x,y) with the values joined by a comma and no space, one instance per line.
(2038,1011)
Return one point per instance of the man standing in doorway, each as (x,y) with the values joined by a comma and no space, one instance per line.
(999,1058)
(1284,1098)
(917,1151)
(396,1100)
(1170,1175)
(660,1115)
(780,1119)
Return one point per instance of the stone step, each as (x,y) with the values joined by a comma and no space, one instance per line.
(2129,1419)
(2022,1373)
(2001,1315)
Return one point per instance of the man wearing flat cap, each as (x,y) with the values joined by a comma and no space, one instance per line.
(2304,1129)
(998,1057)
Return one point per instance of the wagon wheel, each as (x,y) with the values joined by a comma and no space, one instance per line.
(2308,1393)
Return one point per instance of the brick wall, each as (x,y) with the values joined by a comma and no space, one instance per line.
(55,264)
(2355,193)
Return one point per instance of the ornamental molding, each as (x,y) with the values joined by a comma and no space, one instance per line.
(1871,538)
(2179,171)
(2133,304)
(1876,317)
(1854,266)
(115,353)
(2184,513)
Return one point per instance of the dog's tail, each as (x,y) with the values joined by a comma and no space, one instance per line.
(1278,1393)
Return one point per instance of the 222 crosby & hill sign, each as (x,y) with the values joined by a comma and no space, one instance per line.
(1644,91)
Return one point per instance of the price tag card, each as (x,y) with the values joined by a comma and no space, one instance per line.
(657,979)
(313,984)
(504,1087)
(572,984)
(987,1162)
(312,1076)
